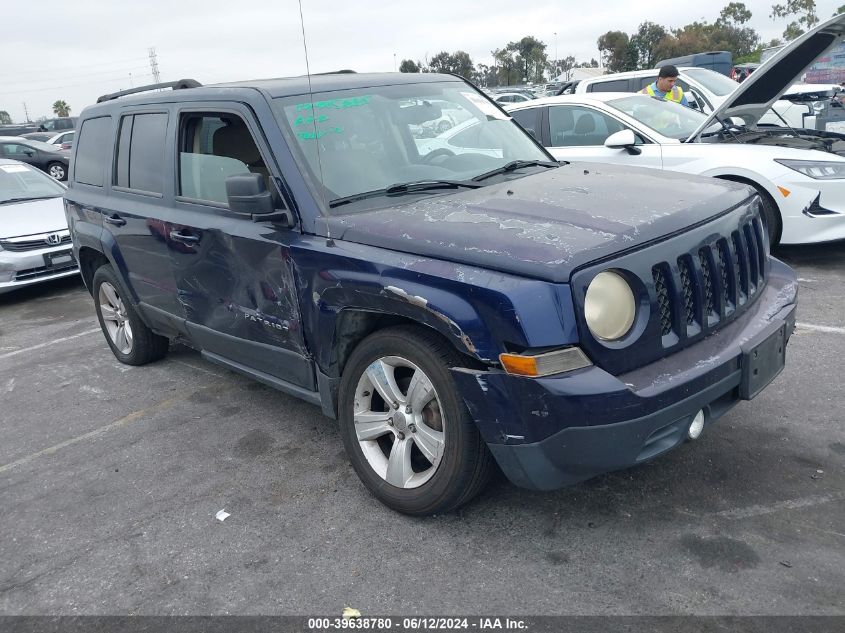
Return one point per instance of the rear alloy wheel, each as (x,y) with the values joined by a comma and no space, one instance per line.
(131,341)
(406,430)
(57,171)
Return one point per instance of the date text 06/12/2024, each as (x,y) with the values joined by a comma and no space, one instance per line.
(417,624)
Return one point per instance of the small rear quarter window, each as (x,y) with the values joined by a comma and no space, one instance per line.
(92,149)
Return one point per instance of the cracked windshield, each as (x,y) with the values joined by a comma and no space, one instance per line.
(441,134)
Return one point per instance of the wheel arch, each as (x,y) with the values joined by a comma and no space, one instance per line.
(763,191)
(90,260)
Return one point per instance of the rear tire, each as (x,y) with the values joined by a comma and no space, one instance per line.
(57,171)
(420,453)
(131,341)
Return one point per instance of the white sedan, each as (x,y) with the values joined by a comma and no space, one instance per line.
(802,190)
(799,173)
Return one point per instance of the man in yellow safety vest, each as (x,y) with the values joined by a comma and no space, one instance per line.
(665,88)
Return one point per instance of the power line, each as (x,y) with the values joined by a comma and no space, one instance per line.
(60,70)
(154,65)
(84,83)
(102,72)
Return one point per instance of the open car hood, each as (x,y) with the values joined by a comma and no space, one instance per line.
(754,96)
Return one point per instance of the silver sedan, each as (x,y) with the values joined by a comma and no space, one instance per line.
(34,239)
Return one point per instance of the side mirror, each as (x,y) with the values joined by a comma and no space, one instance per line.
(623,139)
(29,152)
(247,195)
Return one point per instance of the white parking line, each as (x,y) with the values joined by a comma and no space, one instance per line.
(817,328)
(74,440)
(793,504)
(47,344)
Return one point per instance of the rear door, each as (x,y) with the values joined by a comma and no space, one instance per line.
(137,210)
(235,275)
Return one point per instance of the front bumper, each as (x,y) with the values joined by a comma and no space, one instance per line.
(549,432)
(24,268)
(813,211)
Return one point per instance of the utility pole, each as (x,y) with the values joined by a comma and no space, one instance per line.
(25,112)
(154,66)
(394,62)
(557,59)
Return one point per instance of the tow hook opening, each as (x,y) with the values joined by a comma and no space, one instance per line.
(696,426)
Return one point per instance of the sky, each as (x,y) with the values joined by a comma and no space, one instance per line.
(76,51)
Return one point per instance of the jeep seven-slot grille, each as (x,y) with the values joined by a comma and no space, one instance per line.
(711,283)
(664,309)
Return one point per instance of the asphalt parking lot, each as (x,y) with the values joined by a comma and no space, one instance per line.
(111,476)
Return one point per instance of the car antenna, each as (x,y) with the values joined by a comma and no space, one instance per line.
(329,241)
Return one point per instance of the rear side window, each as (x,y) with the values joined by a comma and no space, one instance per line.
(140,152)
(92,148)
(617,85)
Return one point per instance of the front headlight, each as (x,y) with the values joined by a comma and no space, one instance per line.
(609,306)
(818,170)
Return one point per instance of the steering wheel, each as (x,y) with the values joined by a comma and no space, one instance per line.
(437,153)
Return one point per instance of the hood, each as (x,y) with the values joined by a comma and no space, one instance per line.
(546,225)
(35,216)
(754,96)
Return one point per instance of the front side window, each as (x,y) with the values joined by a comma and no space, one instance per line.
(92,148)
(616,85)
(212,147)
(571,126)
(351,142)
(140,152)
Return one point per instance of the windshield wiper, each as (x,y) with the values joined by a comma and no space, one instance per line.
(28,199)
(401,188)
(513,165)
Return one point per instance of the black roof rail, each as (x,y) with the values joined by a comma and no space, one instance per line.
(345,71)
(180,84)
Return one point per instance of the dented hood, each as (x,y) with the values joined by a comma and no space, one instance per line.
(754,96)
(545,225)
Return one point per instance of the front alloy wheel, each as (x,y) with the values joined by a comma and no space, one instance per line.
(404,425)
(398,422)
(57,171)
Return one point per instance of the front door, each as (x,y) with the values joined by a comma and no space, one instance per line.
(234,275)
(578,133)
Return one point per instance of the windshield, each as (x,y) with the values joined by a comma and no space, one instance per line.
(664,117)
(24,182)
(373,138)
(718,84)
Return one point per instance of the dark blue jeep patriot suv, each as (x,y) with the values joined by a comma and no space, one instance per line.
(397,250)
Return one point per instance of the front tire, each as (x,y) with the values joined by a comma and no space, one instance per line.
(404,426)
(771,218)
(131,341)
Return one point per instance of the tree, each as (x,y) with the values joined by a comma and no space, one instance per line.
(734,14)
(61,108)
(5,119)
(841,9)
(805,10)
(458,62)
(562,67)
(617,51)
(531,58)
(409,66)
(645,41)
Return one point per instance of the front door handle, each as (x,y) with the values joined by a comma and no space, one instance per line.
(115,219)
(176,236)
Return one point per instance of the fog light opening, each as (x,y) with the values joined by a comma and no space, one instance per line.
(697,426)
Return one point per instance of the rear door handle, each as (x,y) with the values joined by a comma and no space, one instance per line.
(115,219)
(183,237)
